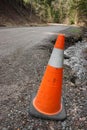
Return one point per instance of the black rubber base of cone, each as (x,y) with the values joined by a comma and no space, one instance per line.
(60,116)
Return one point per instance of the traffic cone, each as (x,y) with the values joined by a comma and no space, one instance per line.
(48,103)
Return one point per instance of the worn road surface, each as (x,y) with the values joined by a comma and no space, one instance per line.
(24,54)
(12,39)
(23,58)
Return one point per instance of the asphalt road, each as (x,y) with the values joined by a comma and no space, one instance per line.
(12,39)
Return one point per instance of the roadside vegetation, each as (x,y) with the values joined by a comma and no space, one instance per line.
(43,11)
(60,11)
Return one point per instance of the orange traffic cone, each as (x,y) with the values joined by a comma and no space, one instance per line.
(48,103)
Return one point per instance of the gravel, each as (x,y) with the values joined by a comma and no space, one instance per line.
(20,75)
(76,59)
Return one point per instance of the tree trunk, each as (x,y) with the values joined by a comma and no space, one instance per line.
(76,18)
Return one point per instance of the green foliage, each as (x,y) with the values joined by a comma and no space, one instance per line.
(56,10)
(72,21)
(77,10)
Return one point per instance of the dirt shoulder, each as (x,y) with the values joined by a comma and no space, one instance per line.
(13,14)
(20,75)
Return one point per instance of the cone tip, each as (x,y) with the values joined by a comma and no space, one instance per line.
(60,41)
(61,35)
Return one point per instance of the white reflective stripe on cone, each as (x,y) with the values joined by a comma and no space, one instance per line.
(56,59)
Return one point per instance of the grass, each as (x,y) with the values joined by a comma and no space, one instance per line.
(75,30)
